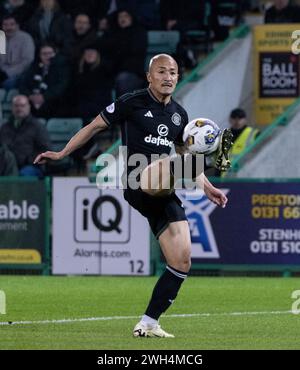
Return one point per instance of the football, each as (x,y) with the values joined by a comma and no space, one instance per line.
(201,136)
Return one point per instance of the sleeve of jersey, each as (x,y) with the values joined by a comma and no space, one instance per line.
(115,113)
(179,141)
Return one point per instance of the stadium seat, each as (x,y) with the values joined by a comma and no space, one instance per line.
(60,131)
(2,95)
(229,13)
(11,94)
(6,103)
(1,114)
(42,121)
(161,42)
(201,39)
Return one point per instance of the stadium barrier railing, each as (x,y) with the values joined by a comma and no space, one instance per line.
(281,120)
(195,74)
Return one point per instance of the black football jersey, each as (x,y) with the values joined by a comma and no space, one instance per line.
(148,126)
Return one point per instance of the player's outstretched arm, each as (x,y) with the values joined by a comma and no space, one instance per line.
(77,141)
(215,195)
(212,193)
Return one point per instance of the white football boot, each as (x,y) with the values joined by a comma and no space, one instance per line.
(142,330)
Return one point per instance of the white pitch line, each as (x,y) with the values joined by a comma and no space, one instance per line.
(108,318)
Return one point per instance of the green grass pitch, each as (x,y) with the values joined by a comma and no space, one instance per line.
(231,313)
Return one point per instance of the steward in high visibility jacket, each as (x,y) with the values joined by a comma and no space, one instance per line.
(241,139)
(243,135)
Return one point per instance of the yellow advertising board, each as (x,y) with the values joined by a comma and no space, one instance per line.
(24,220)
(276,70)
(22,256)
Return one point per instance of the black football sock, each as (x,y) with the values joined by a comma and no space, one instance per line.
(165,291)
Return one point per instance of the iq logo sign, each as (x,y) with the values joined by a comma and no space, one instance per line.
(101,216)
(2,43)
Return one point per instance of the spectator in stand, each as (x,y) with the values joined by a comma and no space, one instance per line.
(146,11)
(243,135)
(105,18)
(94,8)
(19,53)
(46,81)
(21,9)
(103,26)
(92,83)
(83,35)
(50,24)
(106,30)
(282,12)
(92,86)
(8,164)
(180,16)
(129,42)
(25,137)
(226,16)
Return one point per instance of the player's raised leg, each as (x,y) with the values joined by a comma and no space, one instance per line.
(156,178)
(159,177)
(175,243)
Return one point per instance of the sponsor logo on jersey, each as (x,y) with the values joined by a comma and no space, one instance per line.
(148,114)
(163,130)
(176,119)
(111,108)
(158,140)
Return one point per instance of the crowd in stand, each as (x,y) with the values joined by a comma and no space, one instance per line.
(67,57)
(57,50)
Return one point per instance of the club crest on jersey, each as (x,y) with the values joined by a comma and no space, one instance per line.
(176,119)
(111,108)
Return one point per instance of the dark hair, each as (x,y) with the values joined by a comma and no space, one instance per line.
(82,13)
(92,20)
(238,113)
(56,5)
(48,45)
(82,61)
(9,16)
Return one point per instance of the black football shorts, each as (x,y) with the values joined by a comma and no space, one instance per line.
(159,211)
